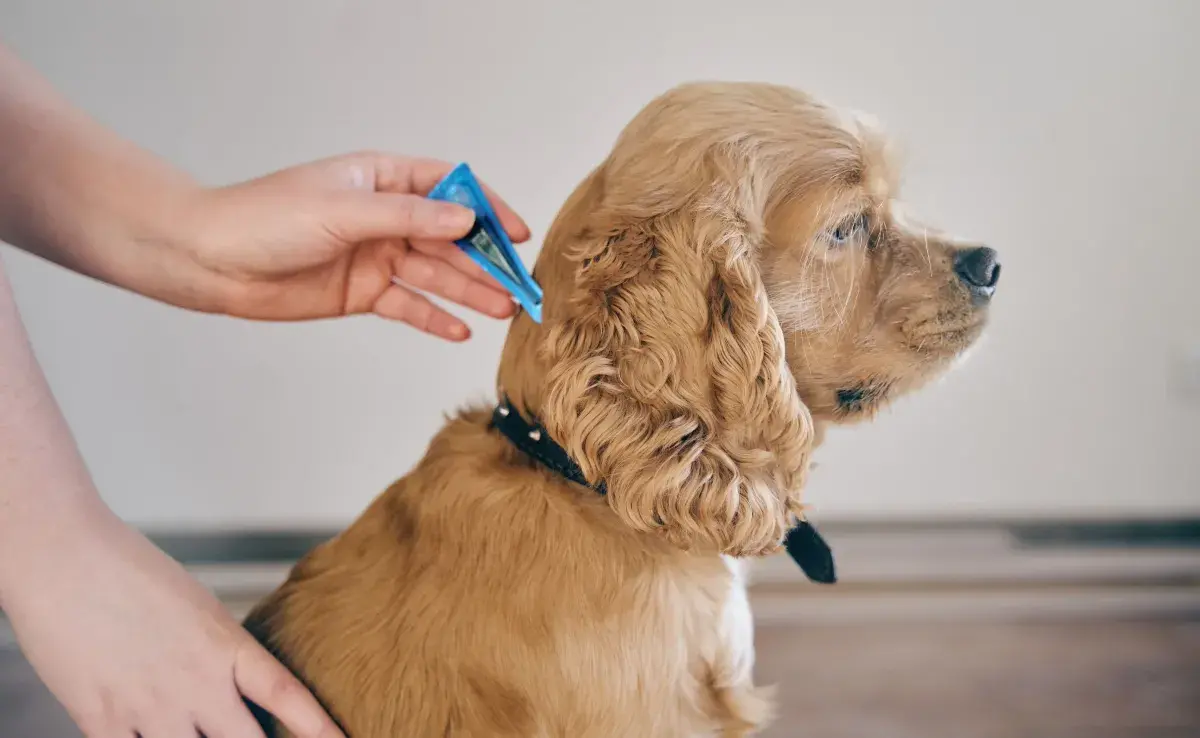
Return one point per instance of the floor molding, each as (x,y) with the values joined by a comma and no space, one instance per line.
(887,570)
(284,544)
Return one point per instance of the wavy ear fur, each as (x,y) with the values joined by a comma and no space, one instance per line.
(668,379)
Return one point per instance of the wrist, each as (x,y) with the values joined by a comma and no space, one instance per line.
(162,251)
(143,236)
(37,537)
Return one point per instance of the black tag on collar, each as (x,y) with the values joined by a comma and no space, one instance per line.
(811,553)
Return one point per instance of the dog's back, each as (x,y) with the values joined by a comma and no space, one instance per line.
(482,596)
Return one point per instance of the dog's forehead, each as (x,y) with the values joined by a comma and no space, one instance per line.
(880,160)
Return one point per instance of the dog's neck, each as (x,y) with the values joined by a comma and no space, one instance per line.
(521,378)
(803,543)
(522,368)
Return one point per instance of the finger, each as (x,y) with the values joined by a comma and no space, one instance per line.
(420,175)
(266,683)
(457,258)
(436,276)
(380,172)
(401,303)
(369,216)
(234,721)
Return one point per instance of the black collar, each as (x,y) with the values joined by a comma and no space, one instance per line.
(803,543)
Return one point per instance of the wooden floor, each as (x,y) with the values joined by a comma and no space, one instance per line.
(909,680)
(985,680)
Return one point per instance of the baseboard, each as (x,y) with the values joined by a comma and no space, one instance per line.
(909,553)
(887,570)
(276,545)
(996,555)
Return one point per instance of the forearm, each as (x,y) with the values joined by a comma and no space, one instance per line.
(46,493)
(75,193)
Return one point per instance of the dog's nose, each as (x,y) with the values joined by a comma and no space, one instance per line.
(978,269)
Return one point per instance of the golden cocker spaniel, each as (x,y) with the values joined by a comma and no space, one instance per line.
(733,278)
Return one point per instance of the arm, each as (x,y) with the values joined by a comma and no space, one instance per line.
(122,635)
(75,193)
(46,493)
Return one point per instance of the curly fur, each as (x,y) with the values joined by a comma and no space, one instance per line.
(704,322)
(685,407)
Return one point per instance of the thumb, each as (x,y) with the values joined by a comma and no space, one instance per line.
(365,216)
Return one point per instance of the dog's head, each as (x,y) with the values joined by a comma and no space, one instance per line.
(736,274)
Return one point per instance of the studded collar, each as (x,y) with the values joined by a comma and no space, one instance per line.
(803,543)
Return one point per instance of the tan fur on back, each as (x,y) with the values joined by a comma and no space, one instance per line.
(480,597)
(702,327)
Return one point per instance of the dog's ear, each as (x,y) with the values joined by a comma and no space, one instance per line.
(668,379)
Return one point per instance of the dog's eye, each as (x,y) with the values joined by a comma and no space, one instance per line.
(848,230)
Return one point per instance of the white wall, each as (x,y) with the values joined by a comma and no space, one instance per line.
(1065,137)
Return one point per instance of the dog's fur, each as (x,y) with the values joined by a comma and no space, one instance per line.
(734,277)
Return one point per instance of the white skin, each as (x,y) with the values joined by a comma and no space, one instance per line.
(126,640)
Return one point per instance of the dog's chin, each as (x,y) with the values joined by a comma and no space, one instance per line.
(944,341)
(962,356)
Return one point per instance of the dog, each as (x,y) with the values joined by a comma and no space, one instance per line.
(734,278)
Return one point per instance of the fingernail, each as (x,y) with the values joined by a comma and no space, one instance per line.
(459,331)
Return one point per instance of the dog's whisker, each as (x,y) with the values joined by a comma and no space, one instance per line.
(928,258)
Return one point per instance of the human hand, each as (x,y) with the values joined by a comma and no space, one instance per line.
(131,645)
(351,234)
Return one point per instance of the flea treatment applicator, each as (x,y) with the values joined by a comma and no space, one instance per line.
(487,243)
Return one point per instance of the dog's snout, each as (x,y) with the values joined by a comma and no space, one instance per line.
(979,270)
